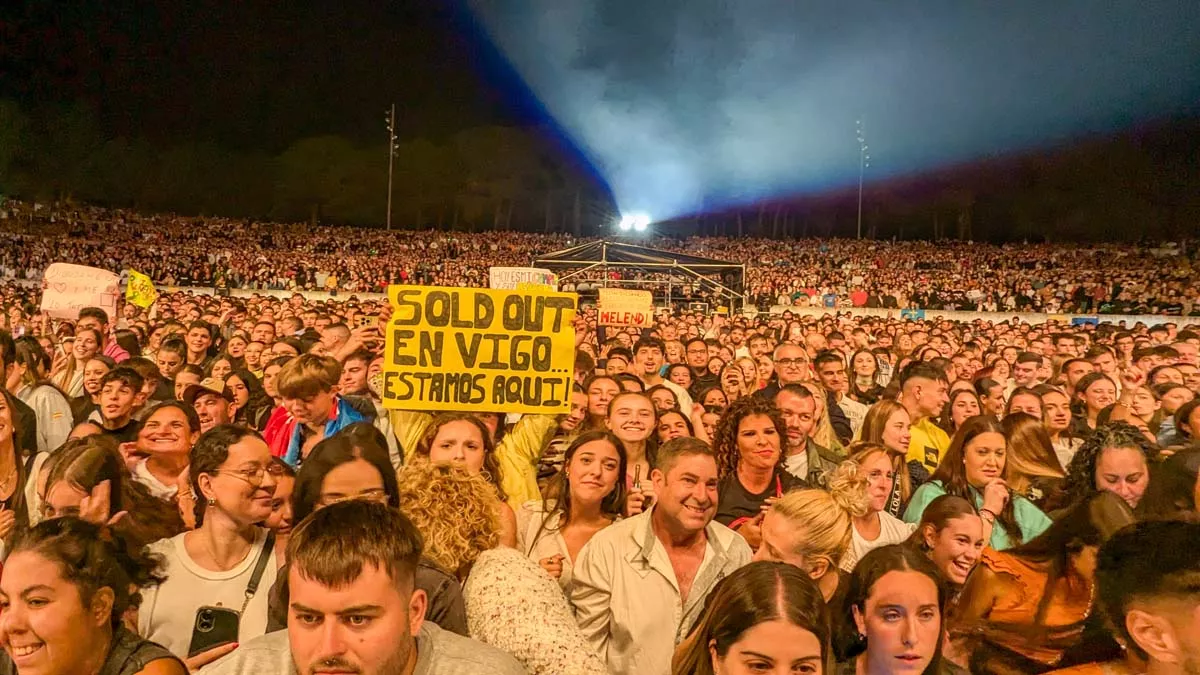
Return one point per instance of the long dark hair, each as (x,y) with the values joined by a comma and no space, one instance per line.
(17,501)
(1172,489)
(946,419)
(558,492)
(873,566)
(352,443)
(952,472)
(29,353)
(749,596)
(91,558)
(86,462)
(257,400)
(1087,523)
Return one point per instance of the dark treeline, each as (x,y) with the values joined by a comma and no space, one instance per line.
(1142,184)
(486,177)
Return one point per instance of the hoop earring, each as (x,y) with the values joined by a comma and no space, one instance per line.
(858,644)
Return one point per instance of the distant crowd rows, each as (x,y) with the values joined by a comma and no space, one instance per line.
(221,252)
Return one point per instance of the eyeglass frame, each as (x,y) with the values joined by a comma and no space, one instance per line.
(255,477)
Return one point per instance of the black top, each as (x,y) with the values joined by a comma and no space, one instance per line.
(125,434)
(26,420)
(736,503)
(128,654)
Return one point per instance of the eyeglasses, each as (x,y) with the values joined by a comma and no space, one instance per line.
(791,362)
(254,476)
(376,495)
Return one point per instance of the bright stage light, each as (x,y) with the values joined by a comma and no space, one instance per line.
(638,222)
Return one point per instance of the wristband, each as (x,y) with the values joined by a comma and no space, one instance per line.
(988,515)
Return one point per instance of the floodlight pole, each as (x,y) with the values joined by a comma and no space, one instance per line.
(391,128)
(864,160)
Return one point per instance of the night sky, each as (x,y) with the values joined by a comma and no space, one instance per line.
(691,105)
(254,74)
(680,106)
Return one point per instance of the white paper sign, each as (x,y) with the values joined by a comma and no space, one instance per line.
(509,278)
(68,288)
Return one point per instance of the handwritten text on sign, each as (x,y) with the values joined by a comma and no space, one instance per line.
(479,350)
(511,278)
(621,307)
(67,288)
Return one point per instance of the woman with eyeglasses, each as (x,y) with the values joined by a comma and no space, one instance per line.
(228,561)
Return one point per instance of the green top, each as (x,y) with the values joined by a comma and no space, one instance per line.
(1030,518)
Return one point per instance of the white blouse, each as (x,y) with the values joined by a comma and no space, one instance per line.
(539,537)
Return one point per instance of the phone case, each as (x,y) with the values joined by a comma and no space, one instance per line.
(215,626)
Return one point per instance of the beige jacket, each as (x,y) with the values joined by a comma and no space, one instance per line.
(626,598)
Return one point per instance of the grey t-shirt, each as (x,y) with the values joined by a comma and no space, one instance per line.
(439,652)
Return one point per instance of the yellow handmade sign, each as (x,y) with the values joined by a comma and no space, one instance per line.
(623,307)
(473,349)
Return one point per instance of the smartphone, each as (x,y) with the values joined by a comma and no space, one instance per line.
(364,320)
(215,626)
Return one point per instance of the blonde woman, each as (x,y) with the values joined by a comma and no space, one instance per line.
(823,432)
(511,603)
(66,373)
(749,368)
(456,510)
(888,424)
(812,529)
(1033,468)
(870,470)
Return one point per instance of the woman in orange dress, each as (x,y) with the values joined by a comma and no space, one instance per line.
(1029,610)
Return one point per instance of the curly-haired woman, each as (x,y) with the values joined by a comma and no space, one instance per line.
(1115,457)
(749,452)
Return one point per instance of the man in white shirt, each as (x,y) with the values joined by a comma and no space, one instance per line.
(640,584)
(1024,372)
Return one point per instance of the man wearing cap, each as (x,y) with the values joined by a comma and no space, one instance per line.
(213,402)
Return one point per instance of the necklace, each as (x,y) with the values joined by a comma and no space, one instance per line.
(8,480)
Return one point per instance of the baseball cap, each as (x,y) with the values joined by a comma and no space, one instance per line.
(209,385)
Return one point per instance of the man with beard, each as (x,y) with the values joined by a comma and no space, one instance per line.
(353,606)
(647,576)
(803,457)
(696,355)
(213,401)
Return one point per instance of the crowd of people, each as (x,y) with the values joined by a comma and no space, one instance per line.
(226,253)
(213,484)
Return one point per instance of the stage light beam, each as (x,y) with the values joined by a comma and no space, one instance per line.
(638,222)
